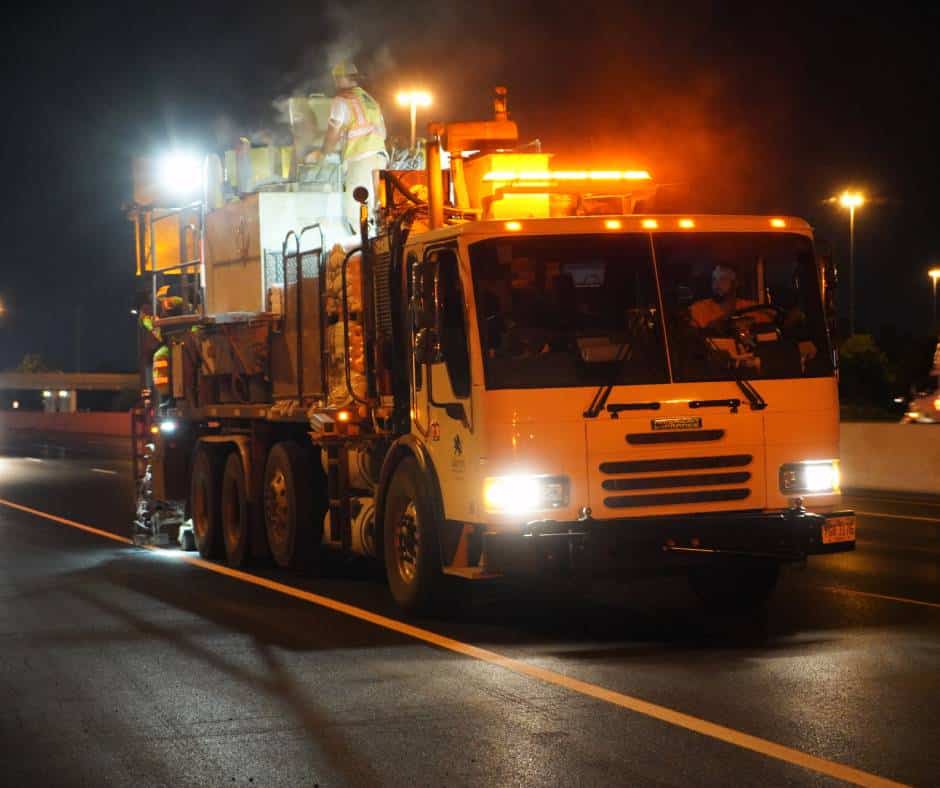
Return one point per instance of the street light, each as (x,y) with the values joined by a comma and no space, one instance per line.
(851,201)
(934,274)
(414,99)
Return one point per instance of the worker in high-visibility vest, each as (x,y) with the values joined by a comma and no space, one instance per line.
(356,128)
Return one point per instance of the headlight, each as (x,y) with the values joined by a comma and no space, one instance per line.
(524,494)
(168,426)
(810,477)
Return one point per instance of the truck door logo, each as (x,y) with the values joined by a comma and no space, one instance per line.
(677,423)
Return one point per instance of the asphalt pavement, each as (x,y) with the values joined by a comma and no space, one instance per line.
(124,666)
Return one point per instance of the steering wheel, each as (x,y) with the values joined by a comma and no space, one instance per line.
(778,311)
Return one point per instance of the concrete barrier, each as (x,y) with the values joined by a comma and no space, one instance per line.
(898,457)
(117,424)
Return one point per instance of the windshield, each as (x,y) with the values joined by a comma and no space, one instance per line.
(742,305)
(562,311)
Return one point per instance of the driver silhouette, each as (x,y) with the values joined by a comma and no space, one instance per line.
(723,302)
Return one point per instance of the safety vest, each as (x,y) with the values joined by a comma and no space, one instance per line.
(365,134)
(161,370)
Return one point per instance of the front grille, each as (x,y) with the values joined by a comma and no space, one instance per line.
(647,438)
(689,480)
(680,464)
(667,499)
(731,479)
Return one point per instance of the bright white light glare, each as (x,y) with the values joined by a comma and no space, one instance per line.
(63,393)
(16,404)
(512,494)
(420,98)
(46,394)
(820,477)
(168,427)
(180,173)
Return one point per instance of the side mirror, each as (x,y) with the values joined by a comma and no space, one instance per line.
(428,346)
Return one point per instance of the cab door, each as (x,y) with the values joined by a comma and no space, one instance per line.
(443,415)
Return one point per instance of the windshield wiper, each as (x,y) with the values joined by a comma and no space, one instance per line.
(603,391)
(756,401)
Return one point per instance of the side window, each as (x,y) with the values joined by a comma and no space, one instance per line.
(453,331)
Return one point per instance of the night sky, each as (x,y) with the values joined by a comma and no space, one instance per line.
(759,108)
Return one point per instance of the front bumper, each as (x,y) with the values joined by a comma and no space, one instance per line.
(604,546)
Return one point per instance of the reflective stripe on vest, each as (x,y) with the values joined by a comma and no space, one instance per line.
(366,133)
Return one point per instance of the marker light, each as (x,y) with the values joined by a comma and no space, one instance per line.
(343,416)
(686,224)
(513,227)
(524,494)
(180,174)
(810,477)
(613,224)
(567,175)
(650,224)
(778,223)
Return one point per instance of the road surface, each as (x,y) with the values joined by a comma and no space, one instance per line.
(124,666)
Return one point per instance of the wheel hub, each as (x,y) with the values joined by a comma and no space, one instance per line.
(406,538)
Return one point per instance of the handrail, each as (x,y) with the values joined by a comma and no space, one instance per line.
(344,301)
(284,258)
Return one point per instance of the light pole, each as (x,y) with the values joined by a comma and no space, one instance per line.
(934,274)
(414,99)
(851,200)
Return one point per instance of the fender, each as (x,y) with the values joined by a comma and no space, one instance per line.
(407,445)
(243,444)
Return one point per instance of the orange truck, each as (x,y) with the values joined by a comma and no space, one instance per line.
(508,371)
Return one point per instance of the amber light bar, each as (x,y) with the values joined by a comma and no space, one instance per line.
(567,175)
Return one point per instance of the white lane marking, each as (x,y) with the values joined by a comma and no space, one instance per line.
(104,470)
(900,516)
(904,599)
(662,713)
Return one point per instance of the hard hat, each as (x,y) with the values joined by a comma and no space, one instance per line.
(163,292)
(345,69)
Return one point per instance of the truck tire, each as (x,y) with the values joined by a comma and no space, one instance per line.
(735,587)
(294,533)
(204,494)
(412,552)
(234,511)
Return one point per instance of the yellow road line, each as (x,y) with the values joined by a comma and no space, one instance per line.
(906,600)
(900,516)
(662,713)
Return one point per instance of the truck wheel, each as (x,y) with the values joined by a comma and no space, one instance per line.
(293,534)
(735,587)
(235,522)
(412,553)
(204,494)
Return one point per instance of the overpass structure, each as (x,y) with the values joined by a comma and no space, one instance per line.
(60,389)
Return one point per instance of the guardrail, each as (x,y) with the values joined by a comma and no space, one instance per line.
(898,457)
(118,424)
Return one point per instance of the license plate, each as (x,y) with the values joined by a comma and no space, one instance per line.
(838,529)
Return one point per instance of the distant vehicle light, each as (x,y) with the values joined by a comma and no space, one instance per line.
(16,404)
(513,227)
(613,224)
(63,393)
(168,426)
(778,223)
(46,394)
(650,224)
(686,224)
(898,400)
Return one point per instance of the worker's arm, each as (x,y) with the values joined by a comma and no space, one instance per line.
(331,140)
